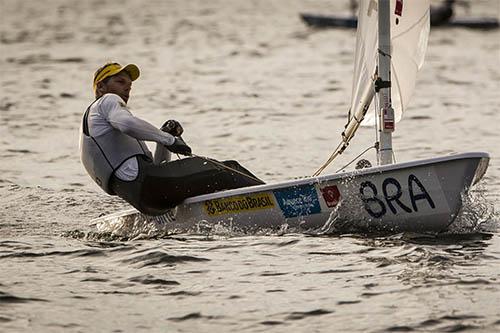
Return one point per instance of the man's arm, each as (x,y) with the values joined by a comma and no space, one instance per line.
(121,119)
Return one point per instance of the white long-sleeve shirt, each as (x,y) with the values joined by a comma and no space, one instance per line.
(111,112)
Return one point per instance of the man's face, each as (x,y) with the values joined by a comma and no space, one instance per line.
(119,84)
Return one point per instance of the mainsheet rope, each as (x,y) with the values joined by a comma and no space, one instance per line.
(222,165)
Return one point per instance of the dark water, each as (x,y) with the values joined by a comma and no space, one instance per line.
(249,81)
(62,277)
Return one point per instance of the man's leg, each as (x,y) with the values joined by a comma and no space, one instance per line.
(167,185)
(231,164)
(162,154)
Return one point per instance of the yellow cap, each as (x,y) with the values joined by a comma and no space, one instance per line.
(113,68)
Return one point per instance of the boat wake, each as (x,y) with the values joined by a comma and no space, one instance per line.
(132,227)
(478,214)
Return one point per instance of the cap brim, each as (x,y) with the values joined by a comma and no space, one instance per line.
(132,70)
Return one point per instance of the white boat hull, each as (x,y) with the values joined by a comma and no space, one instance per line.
(420,196)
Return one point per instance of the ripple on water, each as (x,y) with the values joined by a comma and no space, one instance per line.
(9,299)
(347,302)
(160,258)
(194,316)
(150,279)
(299,315)
(447,323)
(184,293)
(268,273)
(15,245)
(72,253)
(94,279)
(272,322)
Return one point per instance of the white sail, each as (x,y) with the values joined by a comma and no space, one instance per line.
(410,26)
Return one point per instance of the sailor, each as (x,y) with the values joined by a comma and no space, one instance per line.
(114,153)
(442,14)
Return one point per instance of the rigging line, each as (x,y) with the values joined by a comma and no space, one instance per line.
(377,133)
(342,145)
(351,129)
(226,167)
(367,149)
(346,139)
(335,153)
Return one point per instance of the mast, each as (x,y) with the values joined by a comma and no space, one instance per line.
(383,83)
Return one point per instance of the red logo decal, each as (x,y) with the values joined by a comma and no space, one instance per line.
(399,8)
(331,194)
(388,125)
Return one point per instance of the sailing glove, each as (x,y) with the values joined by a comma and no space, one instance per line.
(179,147)
(172,127)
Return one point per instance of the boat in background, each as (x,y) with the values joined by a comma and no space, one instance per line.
(421,196)
(351,22)
(442,16)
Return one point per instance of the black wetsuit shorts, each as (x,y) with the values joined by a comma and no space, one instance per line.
(158,188)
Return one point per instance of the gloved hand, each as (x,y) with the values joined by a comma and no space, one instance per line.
(179,147)
(172,127)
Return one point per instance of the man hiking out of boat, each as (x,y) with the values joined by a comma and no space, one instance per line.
(114,153)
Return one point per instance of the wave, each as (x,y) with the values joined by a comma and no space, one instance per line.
(156,257)
(10,299)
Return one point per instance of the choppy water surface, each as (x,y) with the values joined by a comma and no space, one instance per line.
(250,82)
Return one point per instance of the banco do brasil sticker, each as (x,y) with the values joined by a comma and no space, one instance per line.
(239,204)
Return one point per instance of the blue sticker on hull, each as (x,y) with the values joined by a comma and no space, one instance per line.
(298,201)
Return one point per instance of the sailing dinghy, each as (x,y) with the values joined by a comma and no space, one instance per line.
(421,196)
